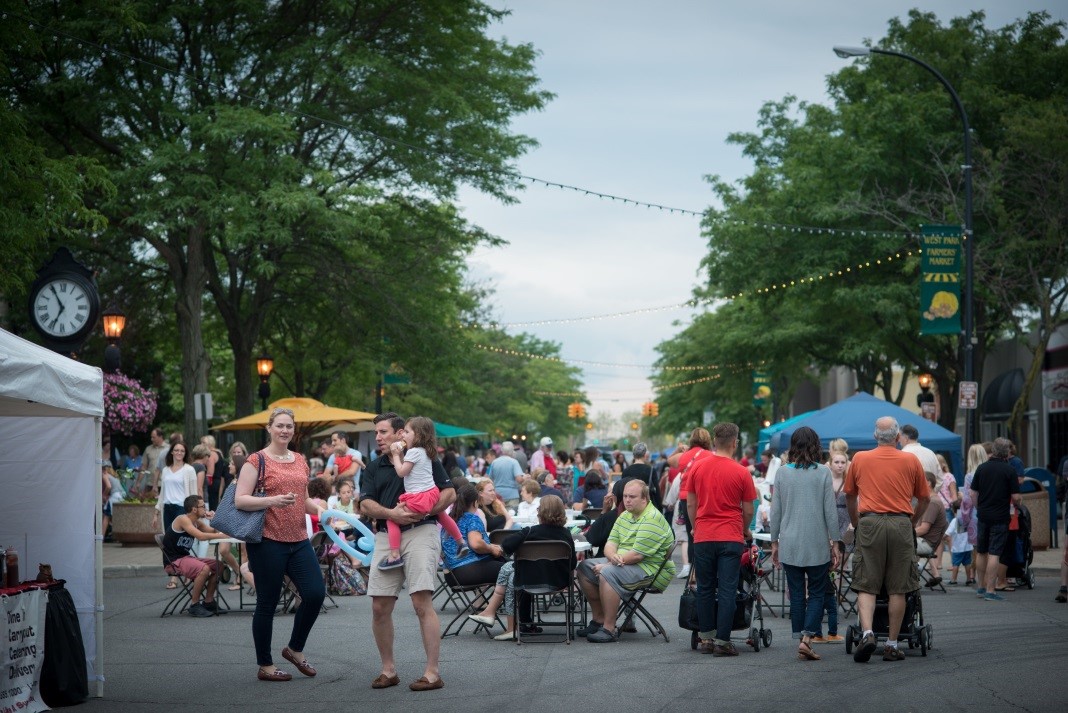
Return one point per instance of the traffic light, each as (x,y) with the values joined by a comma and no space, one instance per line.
(589,426)
(634,425)
(581,411)
(654,409)
(572,410)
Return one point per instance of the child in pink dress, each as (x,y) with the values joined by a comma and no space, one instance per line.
(420,492)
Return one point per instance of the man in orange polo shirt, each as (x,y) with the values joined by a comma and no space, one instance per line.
(884,481)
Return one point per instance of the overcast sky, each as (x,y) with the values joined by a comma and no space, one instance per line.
(646,94)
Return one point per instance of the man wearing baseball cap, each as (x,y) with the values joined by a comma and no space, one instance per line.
(543,457)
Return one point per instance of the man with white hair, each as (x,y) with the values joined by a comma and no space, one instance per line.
(506,474)
(909,440)
(884,480)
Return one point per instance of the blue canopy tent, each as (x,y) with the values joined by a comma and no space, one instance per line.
(766,434)
(854,420)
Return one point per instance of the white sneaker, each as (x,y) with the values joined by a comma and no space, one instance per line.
(684,572)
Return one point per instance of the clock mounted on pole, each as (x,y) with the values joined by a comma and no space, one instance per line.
(64,303)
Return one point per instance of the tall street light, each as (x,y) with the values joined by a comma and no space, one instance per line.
(969,237)
(114,321)
(264,367)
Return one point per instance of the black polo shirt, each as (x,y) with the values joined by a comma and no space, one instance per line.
(381,484)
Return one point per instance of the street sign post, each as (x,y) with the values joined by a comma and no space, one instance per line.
(969,394)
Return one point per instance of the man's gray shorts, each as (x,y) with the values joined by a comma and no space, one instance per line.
(624,579)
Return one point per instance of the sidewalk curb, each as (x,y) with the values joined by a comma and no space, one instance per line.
(119,571)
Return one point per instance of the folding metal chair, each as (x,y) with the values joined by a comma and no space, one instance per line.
(543,568)
(847,598)
(181,599)
(925,577)
(497,537)
(465,596)
(317,541)
(635,608)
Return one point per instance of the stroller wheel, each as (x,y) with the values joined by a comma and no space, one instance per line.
(693,640)
(765,636)
(850,638)
(224,575)
(754,639)
(1030,578)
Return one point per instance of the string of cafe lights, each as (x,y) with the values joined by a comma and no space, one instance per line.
(692,303)
(235,93)
(668,387)
(586,362)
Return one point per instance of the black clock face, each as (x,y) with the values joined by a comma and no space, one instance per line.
(64,307)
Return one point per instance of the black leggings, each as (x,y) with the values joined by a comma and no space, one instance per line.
(269,561)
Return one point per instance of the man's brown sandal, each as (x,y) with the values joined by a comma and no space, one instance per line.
(384,681)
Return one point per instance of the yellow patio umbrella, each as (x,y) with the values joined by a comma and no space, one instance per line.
(308,414)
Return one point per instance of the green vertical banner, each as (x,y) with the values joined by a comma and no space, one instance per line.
(940,279)
(761,388)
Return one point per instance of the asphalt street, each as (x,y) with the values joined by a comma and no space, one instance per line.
(987,656)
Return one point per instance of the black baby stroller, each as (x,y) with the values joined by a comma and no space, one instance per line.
(1018,554)
(913,629)
(748,615)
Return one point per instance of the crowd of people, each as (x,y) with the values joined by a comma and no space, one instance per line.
(892,511)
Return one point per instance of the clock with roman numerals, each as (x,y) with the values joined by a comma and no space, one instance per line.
(64,304)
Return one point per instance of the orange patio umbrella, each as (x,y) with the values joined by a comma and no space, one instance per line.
(308,415)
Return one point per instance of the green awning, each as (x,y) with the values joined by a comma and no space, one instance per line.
(444,430)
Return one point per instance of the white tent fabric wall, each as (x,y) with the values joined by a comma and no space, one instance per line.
(50,414)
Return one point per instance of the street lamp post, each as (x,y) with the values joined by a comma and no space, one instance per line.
(114,321)
(264,367)
(969,237)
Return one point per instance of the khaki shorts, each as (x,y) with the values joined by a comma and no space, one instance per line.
(421,549)
(885,555)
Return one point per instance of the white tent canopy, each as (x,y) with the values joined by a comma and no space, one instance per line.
(50,413)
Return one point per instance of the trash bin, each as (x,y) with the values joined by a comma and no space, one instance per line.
(1037,502)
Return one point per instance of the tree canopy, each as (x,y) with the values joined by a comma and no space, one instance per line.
(283,173)
(865,172)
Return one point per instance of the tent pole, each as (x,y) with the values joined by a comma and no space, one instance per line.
(97,689)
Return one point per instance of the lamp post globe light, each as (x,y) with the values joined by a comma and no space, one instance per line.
(114,321)
(969,237)
(264,367)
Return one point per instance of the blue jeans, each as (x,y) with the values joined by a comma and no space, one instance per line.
(269,560)
(830,605)
(718,565)
(806,616)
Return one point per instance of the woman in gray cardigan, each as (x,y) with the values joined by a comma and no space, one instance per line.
(804,528)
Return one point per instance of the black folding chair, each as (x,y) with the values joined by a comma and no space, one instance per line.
(543,569)
(497,537)
(181,599)
(318,540)
(634,607)
(466,597)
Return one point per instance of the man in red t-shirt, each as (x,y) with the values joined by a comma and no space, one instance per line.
(720,505)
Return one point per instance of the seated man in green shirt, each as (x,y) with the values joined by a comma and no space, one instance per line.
(638,545)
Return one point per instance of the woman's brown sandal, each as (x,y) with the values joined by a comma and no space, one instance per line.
(805,653)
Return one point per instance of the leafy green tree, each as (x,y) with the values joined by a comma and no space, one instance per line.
(879,161)
(245,136)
